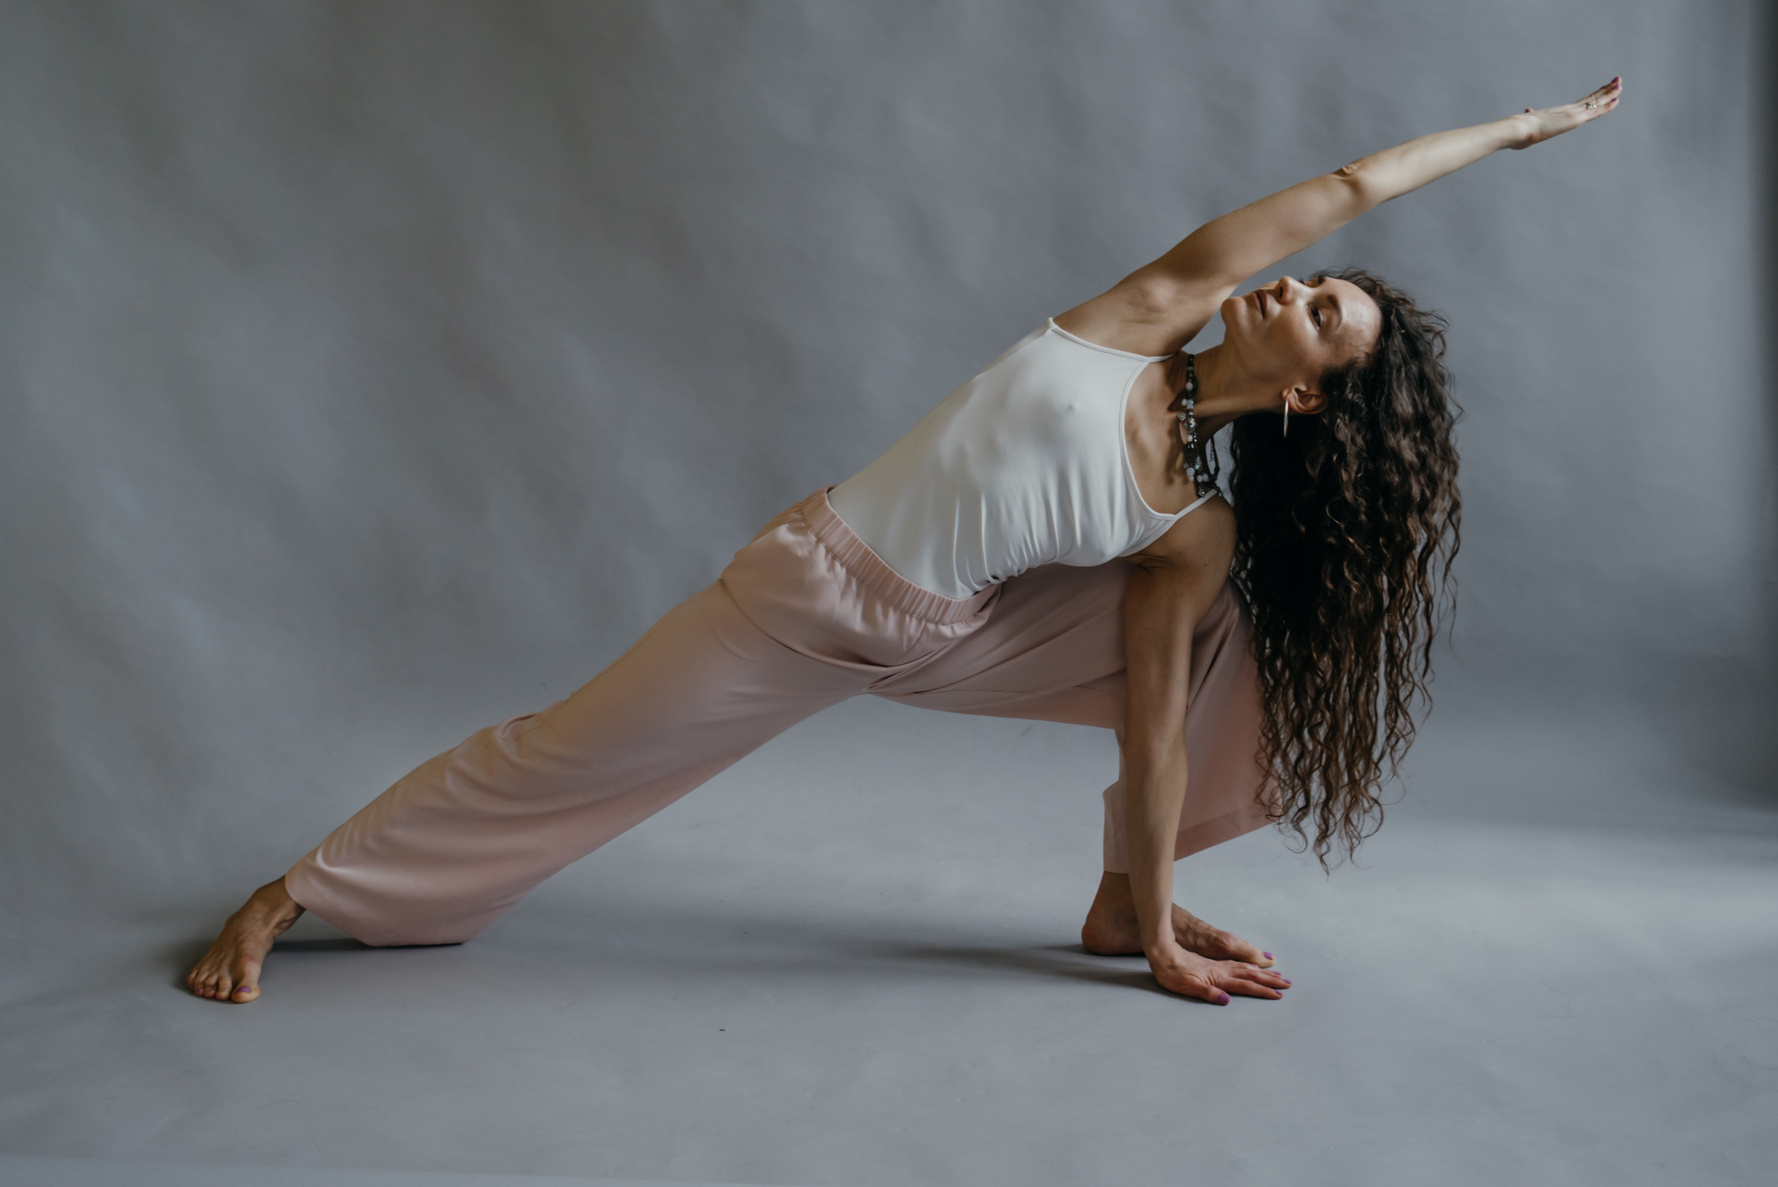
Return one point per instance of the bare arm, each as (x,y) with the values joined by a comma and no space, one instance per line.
(1177,580)
(1161,306)
(1161,607)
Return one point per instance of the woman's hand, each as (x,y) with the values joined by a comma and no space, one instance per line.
(1191,975)
(1538,126)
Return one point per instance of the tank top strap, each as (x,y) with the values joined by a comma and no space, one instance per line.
(1194,505)
(1128,354)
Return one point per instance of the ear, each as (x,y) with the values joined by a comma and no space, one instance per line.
(1304,402)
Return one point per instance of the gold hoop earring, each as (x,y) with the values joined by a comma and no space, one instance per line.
(1287,416)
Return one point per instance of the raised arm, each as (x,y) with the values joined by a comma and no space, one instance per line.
(1161,306)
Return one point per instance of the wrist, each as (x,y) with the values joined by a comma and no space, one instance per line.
(1515,130)
(1161,947)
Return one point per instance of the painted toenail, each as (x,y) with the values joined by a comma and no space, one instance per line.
(1222,999)
(1268,956)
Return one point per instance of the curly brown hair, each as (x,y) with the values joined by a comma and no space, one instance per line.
(1345,534)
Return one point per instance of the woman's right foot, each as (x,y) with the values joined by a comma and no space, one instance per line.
(1110,929)
(229,971)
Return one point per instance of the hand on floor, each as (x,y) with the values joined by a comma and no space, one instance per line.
(1191,975)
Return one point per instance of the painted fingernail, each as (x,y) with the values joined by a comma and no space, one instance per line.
(1222,999)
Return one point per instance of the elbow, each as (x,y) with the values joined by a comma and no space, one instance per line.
(1359,183)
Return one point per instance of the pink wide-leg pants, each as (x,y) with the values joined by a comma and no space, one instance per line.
(804,617)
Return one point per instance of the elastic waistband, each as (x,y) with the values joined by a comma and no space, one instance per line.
(876,575)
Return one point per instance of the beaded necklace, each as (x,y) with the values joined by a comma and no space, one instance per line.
(1202,474)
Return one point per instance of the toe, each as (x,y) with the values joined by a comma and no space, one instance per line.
(1254,956)
(244,993)
(1241,950)
(245,974)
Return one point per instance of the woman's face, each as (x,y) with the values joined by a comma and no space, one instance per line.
(1289,334)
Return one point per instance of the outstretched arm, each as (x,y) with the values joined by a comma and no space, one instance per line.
(1163,305)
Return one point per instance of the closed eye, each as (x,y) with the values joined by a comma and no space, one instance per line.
(1315,312)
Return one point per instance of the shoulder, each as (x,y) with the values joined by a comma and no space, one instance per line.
(1144,313)
(1181,575)
(1200,547)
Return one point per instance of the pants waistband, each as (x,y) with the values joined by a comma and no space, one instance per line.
(876,575)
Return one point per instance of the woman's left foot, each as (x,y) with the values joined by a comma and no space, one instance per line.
(229,971)
(1110,929)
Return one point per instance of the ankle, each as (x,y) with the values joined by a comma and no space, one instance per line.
(1115,894)
(274,901)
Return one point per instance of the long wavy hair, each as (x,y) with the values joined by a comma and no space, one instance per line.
(1345,533)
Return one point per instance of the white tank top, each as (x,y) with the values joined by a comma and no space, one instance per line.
(1024,465)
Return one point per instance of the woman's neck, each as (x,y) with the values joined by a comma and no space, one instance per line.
(1224,392)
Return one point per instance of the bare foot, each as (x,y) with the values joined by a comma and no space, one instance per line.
(1110,929)
(229,971)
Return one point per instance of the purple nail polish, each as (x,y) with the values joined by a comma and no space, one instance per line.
(1222,999)
(1268,956)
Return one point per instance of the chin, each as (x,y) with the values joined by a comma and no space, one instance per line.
(1234,311)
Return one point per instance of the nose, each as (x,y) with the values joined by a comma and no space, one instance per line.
(1288,287)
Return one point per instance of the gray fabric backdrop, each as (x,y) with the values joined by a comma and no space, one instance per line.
(371,372)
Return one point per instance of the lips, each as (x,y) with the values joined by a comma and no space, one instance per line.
(1259,298)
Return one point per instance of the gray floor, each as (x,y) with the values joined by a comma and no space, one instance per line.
(853,960)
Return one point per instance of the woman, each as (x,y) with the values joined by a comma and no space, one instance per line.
(1047,543)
